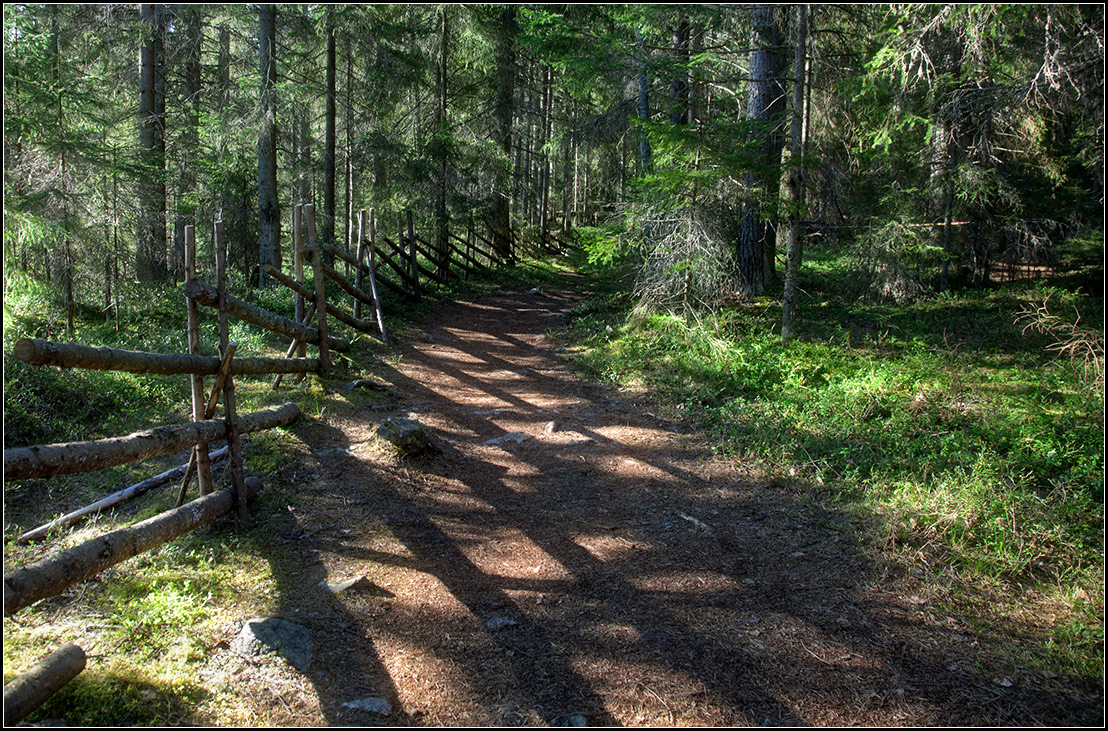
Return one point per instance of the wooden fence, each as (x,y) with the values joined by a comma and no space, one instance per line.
(407,259)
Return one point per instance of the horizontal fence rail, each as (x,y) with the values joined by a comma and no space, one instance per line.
(24,463)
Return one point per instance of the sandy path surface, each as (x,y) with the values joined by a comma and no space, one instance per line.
(598,566)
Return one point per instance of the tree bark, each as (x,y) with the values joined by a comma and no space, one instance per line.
(49,576)
(68,458)
(269,214)
(765,109)
(31,689)
(796,179)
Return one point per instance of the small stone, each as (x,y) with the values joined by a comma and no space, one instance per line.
(512,436)
(377,705)
(359,583)
(495,624)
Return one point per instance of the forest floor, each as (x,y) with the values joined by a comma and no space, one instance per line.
(598,566)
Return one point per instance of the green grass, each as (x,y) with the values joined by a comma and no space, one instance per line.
(157,619)
(975,446)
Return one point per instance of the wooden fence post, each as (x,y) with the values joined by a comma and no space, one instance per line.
(238,479)
(320,293)
(360,233)
(413,254)
(200,451)
(298,258)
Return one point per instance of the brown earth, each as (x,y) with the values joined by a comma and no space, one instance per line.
(607,569)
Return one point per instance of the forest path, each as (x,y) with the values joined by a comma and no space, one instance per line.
(604,570)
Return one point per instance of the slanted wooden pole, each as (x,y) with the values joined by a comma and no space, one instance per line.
(413,254)
(209,297)
(333,311)
(209,412)
(45,678)
(200,451)
(359,229)
(115,498)
(67,458)
(234,443)
(373,274)
(320,293)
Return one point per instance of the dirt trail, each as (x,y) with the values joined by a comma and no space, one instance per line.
(605,569)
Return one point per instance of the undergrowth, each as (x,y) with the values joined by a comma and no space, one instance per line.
(158,617)
(976,444)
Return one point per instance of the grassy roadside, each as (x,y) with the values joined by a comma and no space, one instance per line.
(968,440)
(151,625)
(935,423)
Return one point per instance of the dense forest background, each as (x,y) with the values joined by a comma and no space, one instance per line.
(936,145)
(858,248)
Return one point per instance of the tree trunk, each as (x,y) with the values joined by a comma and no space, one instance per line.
(442,257)
(502,131)
(644,108)
(269,214)
(796,179)
(150,252)
(679,112)
(327,228)
(756,244)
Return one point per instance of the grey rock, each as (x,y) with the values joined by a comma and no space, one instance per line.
(380,706)
(512,436)
(496,624)
(264,635)
(406,434)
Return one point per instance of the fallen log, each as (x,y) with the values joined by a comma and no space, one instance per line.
(115,498)
(209,297)
(48,460)
(45,678)
(51,575)
(70,355)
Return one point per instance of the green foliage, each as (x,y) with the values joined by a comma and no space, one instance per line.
(939,412)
